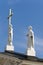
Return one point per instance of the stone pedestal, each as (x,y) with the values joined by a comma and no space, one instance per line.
(31,52)
(9,48)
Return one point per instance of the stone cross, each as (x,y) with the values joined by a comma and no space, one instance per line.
(10,15)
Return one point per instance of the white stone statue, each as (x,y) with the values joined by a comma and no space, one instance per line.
(30,37)
(30,45)
(10,39)
(10,46)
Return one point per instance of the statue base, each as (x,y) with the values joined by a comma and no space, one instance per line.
(9,48)
(31,52)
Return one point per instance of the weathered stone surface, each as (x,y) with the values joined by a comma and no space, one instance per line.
(9,59)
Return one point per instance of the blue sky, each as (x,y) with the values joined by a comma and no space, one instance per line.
(25,13)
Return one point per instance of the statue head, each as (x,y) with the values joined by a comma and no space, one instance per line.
(30,27)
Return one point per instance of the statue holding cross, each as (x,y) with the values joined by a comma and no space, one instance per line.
(10,38)
(10,46)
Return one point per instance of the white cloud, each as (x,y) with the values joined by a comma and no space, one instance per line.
(39,41)
(39,44)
